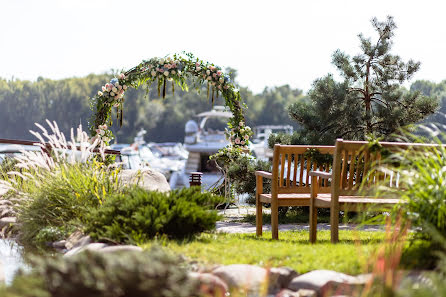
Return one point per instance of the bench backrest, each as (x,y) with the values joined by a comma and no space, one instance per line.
(291,165)
(353,161)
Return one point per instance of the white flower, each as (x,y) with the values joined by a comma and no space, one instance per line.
(208,72)
(100,93)
(114,89)
(125,87)
(166,73)
(105,139)
(242,142)
(241,124)
(101,132)
(246,137)
(173,71)
(162,61)
(104,88)
(198,68)
(222,80)
(116,84)
(169,59)
(153,72)
(112,94)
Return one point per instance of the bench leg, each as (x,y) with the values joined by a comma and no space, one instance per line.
(334,224)
(313,223)
(275,217)
(259,218)
(259,213)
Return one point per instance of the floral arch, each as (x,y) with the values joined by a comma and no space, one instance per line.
(164,72)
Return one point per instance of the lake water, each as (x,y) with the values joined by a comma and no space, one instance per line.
(10,259)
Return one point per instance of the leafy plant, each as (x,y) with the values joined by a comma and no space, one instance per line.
(128,274)
(136,215)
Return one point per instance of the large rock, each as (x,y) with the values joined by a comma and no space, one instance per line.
(329,283)
(248,278)
(210,285)
(280,278)
(148,179)
(121,248)
(94,247)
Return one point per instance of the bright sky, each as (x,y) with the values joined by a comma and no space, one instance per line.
(270,43)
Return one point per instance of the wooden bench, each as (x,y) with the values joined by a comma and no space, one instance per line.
(352,164)
(290,182)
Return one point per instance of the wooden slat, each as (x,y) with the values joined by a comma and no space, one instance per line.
(352,170)
(288,170)
(302,163)
(295,169)
(282,169)
(344,169)
(359,166)
(307,180)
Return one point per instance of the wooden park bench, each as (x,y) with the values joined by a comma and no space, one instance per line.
(290,182)
(353,182)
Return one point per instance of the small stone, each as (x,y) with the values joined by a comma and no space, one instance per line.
(328,282)
(85,240)
(248,278)
(5,202)
(59,244)
(209,284)
(73,239)
(97,246)
(280,278)
(7,221)
(120,248)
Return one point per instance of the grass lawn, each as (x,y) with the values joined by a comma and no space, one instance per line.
(350,256)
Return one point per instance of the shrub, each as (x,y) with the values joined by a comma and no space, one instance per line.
(137,215)
(242,175)
(61,198)
(88,274)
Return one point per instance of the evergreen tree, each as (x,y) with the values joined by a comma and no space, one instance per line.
(370,100)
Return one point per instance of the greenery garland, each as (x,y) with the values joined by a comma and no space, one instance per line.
(164,71)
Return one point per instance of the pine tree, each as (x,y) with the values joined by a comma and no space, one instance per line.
(370,100)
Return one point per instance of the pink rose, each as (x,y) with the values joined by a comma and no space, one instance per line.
(242,142)
(219,72)
(237,140)
(103,89)
(197,64)
(214,75)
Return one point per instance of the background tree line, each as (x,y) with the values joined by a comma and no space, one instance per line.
(67,101)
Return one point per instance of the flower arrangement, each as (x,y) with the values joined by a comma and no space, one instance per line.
(175,70)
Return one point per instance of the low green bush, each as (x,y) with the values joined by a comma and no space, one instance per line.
(137,215)
(88,274)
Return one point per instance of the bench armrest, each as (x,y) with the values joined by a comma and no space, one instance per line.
(264,174)
(321,174)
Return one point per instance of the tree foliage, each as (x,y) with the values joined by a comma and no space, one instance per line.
(370,100)
(66,101)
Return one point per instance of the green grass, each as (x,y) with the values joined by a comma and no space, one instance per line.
(293,250)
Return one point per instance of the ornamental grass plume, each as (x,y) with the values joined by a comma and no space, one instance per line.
(58,184)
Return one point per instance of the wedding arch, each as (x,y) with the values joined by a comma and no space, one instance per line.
(172,70)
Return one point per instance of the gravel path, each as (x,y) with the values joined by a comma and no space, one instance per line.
(232,216)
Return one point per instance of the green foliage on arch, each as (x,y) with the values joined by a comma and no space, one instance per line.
(165,73)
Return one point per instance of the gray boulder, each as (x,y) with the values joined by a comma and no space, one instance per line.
(97,246)
(120,248)
(280,278)
(247,278)
(329,283)
(209,284)
(148,179)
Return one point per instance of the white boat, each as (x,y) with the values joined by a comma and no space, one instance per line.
(203,139)
(259,144)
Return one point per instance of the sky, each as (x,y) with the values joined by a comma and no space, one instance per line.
(270,43)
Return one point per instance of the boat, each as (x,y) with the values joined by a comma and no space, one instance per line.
(204,138)
(259,144)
